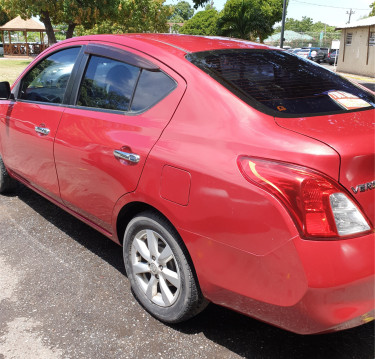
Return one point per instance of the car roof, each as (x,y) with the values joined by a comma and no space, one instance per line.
(184,43)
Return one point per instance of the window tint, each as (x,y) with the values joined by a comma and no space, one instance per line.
(280,83)
(108,84)
(152,87)
(47,81)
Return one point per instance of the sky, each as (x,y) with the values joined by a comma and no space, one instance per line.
(331,12)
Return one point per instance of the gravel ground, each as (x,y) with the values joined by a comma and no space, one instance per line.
(64,294)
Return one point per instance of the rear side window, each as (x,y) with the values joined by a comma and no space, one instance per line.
(114,85)
(152,87)
(108,84)
(281,84)
(47,81)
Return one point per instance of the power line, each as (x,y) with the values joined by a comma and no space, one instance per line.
(335,7)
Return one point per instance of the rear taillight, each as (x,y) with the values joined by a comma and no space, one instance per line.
(320,207)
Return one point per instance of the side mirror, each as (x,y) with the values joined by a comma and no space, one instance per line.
(5,93)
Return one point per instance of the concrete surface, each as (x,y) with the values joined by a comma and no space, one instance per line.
(63,294)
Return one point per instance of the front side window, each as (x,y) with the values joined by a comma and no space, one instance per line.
(281,84)
(47,81)
(108,84)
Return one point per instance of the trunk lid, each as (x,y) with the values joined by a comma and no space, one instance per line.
(352,135)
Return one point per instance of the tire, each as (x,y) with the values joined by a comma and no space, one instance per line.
(7,183)
(160,270)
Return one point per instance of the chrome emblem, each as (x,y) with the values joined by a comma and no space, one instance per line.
(363,187)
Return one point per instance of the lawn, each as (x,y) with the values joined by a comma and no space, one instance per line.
(10,69)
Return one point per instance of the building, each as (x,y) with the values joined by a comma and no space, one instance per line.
(357,47)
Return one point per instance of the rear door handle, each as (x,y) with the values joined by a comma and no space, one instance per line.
(42,130)
(131,157)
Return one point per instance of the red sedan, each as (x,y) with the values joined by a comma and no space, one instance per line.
(230,171)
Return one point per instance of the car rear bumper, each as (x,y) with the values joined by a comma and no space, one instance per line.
(306,287)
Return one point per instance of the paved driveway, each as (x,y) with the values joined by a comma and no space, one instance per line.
(64,295)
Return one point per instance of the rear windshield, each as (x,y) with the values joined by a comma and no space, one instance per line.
(282,84)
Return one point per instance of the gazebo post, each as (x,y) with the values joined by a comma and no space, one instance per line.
(10,43)
(27,45)
(41,41)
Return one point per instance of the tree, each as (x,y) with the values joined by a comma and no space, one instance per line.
(4,17)
(372,12)
(71,12)
(184,10)
(250,19)
(176,18)
(305,25)
(134,16)
(198,3)
(320,26)
(202,23)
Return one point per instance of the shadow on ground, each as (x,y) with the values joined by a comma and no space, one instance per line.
(244,336)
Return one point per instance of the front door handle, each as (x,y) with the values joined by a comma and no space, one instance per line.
(42,130)
(131,157)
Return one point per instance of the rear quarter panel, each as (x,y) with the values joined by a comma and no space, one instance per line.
(208,132)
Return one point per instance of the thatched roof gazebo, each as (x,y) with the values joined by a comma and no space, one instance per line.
(24,26)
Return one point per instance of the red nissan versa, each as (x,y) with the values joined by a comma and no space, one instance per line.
(230,171)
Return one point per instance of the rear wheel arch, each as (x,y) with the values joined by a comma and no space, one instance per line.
(160,269)
(133,209)
(127,213)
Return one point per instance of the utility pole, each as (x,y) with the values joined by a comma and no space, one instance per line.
(282,26)
(350,13)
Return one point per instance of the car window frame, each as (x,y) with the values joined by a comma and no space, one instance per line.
(66,99)
(117,54)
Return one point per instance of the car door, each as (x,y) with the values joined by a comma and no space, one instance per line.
(120,107)
(31,121)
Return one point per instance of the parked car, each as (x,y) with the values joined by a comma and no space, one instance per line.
(332,57)
(229,171)
(316,54)
(1,49)
(294,51)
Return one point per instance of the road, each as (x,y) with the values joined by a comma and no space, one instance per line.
(64,294)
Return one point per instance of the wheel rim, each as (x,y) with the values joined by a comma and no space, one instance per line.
(155,268)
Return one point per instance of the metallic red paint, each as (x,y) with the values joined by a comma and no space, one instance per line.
(27,152)
(352,136)
(246,250)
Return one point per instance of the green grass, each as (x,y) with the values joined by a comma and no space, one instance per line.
(10,69)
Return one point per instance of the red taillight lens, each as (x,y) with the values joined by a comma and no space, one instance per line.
(319,220)
(307,194)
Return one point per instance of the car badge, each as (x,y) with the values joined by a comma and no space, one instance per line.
(363,187)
